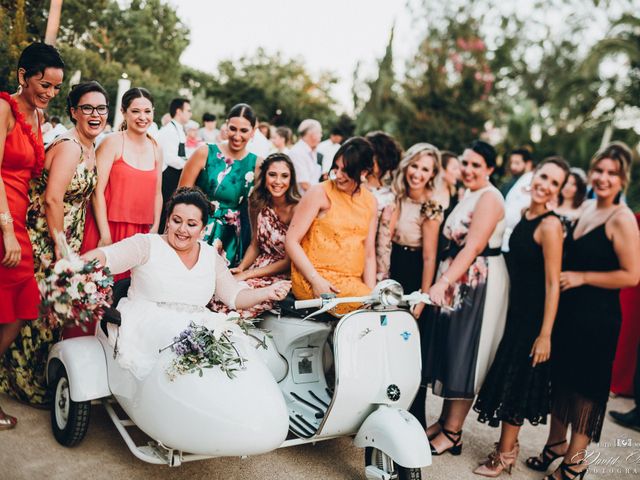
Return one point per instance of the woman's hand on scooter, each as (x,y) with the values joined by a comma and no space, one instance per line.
(437,293)
(417,309)
(321,285)
(279,290)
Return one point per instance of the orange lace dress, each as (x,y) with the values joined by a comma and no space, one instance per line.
(335,243)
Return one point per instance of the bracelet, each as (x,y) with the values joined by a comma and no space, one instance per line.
(6,218)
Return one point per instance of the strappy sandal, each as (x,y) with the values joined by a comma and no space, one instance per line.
(455,438)
(566,470)
(434,435)
(548,457)
(7,422)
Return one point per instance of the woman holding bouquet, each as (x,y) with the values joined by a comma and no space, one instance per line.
(59,198)
(39,74)
(173,277)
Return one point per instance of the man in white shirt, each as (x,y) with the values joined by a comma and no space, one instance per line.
(57,129)
(305,156)
(329,147)
(259,144)
(171,139)
(518,198)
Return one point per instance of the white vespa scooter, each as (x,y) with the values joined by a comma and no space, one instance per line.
(281,396)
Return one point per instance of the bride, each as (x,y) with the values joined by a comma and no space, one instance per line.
(173,277)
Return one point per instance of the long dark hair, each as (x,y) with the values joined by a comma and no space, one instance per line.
(261,197)
(357,157)
(580,179)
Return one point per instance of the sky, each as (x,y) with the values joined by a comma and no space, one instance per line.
(328,35)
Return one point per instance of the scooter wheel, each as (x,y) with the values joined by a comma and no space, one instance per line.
(378,459)
(69,419)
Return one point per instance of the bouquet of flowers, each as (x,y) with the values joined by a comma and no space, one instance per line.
(198,347)
(74,292)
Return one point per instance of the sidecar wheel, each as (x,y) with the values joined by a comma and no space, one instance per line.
(69,419)
(378,459)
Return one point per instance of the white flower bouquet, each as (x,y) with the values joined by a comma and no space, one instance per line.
(75,292)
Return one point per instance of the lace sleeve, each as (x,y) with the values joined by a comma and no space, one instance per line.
(383,243)
(127,253)
(227,287)
(432,210)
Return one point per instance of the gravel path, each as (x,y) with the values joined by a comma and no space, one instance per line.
(30,452)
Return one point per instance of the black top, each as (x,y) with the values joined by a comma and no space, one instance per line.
(589,318)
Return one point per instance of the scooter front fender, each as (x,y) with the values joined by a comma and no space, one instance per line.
(397,433)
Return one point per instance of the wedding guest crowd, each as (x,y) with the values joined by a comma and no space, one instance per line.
(524,281)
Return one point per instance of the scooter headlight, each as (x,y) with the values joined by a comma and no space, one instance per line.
(389,293)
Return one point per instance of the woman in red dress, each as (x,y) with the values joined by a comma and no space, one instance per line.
(40,72)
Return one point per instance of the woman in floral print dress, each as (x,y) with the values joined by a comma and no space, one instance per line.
(225,173)
(472,280)
(265,262)
(59,198)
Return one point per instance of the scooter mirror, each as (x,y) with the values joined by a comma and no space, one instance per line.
(389,292)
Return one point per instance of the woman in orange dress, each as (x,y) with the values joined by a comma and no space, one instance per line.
(331,238)
(40,73)
(128,197)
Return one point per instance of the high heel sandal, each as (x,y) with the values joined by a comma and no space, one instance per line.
(497,462)
(566,470)
(7,422)
(548,457)
(455,438)
(434,435)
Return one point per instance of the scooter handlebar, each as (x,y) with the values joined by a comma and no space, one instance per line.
(313,303)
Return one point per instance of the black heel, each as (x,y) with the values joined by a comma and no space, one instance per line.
(566,470)
(453,437)
(548,457)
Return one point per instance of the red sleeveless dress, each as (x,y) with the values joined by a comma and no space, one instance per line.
(22,160)
(130,199)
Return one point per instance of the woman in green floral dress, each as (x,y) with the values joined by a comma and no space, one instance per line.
(59,198)
(225,173)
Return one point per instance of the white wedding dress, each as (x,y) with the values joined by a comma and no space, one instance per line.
(165,296)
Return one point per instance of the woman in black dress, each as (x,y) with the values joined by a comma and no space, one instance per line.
(517,387)
(602,256)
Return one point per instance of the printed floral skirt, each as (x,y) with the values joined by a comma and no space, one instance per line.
(23,366)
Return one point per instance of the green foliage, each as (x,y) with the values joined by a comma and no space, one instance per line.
(281,91)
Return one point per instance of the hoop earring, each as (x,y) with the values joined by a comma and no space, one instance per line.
(19,89)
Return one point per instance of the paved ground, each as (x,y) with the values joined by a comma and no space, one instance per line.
(30,453)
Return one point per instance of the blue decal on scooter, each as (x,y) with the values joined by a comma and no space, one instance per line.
(405,335)
(383,320)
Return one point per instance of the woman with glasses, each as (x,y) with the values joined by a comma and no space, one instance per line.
(128,196)
(59,199)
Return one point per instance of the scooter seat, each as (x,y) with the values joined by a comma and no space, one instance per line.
(111,315)
(288,309)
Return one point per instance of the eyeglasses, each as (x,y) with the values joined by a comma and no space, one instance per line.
(89,109)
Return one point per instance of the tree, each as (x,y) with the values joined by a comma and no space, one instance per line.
(381,109)
(447,85)
(280,91)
